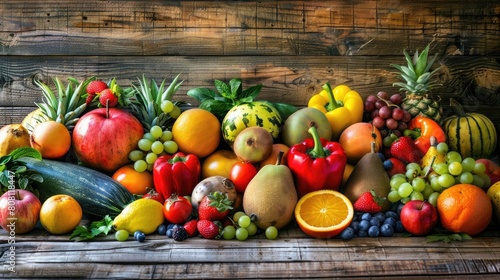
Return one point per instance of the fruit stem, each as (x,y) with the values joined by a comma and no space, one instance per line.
(430,167)
(317,151)
(107,109)
(457,107)
(18,196)
(332,103)
(279,157)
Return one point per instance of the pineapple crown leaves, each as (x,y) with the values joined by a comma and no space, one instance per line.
(67,103)
(220,201)
(416,74)
(146,98)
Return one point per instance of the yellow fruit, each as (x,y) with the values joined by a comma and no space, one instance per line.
(60,214)
(33,118)
(197,131)
(142,214)
(494,195)
(324,213)
(52,139)
(13,136)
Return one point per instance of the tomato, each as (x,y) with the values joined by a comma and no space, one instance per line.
(152,194)
(241,174)
(218,163)
(135,182)
(177,209)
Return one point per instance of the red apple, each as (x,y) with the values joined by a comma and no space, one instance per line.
(492,169)
(418,217)
(102,140)
(19,211)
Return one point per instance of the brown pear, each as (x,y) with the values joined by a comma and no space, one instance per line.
(368,174)
(270,197)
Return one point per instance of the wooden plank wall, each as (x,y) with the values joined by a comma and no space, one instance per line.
(291,47)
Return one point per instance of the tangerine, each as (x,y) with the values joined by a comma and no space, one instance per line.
(60,214)
(135,182)
(197,131)
(324,213)
(273,157)
(52,139)
(464,208)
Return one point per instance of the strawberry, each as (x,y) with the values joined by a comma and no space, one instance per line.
(106,95)
(191,227)
(394,166)
(90,98)
(214,207)
(209,229)
(404,149)
(95,87)
(369,202)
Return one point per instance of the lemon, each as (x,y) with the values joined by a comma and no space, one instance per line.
(494,195)
(142,214)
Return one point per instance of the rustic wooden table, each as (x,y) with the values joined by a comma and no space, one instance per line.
(292,255)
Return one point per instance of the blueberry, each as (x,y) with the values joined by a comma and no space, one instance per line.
(364,225)
(380,216)
(390,221)
(362,233)
(400,206)
(399,227)
(347,233)
(374,222)
(171,226)
(381,156)
(386,230)
(388,164)
(139,236)
(355,226)
(373,231)
(169,233)
(392,214)
(162,229)
(366,216)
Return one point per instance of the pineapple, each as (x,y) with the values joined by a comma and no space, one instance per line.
(418,82)
(146,101)
(67,106)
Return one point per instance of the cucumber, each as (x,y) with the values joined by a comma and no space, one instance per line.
(97,193)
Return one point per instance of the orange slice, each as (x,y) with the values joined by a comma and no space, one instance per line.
(323,213)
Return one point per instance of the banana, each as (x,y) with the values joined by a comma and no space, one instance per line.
(432,152)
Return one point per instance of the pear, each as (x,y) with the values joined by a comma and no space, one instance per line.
(368,174)
(270,197)
(253,144)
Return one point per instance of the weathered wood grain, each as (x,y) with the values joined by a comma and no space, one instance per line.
(245,27)
(293,255)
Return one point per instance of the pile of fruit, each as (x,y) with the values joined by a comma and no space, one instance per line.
(135,161)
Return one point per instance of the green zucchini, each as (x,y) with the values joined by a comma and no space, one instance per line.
(98,194)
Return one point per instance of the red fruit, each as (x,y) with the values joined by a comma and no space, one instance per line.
(96,87)
(404,149)
(177,209)
(152,194)
(394,166)
(214,207)
(209,229)
(90,98)
(191,227)
(418,217)
(106,95)
(369,202)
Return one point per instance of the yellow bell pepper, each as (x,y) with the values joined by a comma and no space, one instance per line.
(342,107)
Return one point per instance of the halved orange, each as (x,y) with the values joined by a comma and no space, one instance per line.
(324,213)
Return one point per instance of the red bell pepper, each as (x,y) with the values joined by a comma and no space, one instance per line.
(177,173)
(317,164)
(421,129)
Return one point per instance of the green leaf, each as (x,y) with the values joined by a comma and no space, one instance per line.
(25,152)
(251,92)
(224,90)
(201,94)
(236,87)
(96,228)
(217,107)
(284,109)
(422,61)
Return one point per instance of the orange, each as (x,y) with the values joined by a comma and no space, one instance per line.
(324,213)
(273,157)
(60,214)
(135,182)
(52,139)
(464,208)
(197,131)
